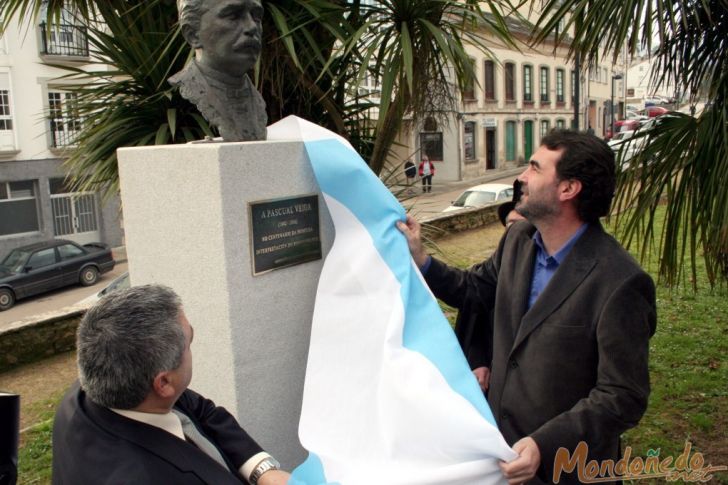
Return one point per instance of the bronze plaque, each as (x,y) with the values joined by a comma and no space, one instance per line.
(284,232)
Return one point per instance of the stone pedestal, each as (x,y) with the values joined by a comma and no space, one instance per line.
(185,211)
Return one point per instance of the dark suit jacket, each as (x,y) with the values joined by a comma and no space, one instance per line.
(574,367)
(94,445)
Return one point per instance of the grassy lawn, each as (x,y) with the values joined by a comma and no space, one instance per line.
(34,460)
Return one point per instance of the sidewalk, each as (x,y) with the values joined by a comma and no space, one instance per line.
(443,187)
(443,193)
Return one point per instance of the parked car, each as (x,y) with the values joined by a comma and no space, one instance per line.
(653,111)
(655,101)
(118,283)
(626,145)
(482,195)
(634,115)
(44,266)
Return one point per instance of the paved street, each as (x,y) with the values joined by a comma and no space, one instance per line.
(426,205)
(57,299)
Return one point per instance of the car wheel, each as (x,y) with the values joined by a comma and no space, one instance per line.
(89,276)
(7,299)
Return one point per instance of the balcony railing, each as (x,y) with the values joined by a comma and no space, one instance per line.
(63,40)
(64,132)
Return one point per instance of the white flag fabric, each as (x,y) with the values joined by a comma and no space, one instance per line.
(388,398)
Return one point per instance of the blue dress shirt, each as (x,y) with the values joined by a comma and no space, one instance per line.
(545,266)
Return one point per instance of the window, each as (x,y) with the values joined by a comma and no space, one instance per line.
(44,257)
(489,72)
(64,120)
(561,124)
(69,251)
(431,145)
(469,88)
(528,84)
(510,140)
(545,127)
(573,85)
(64,38)
(3,47)
(18,207)
(559,85)
(6,112)
(544,84)
(369,86)
(469,140)
(510,81)
(6,118)
(527,139)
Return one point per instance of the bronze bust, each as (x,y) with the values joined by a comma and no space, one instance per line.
(226,37)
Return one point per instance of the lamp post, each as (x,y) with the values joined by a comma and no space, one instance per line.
(615,77)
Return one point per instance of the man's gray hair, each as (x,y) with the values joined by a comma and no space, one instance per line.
(190,12)
(125,340)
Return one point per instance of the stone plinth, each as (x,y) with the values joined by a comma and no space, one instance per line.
(186,221)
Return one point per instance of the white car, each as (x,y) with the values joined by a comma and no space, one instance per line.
(120,282)
(634,115)
(625,147)
(482,195)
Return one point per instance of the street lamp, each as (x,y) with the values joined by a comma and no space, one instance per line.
(616,77)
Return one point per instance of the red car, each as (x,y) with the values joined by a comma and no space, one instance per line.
(654,111)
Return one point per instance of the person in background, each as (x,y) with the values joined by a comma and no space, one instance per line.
(132,419)
(410,172)
(474,322)
(427,171)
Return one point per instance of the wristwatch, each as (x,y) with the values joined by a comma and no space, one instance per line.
(266,465)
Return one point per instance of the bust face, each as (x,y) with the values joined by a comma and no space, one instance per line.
(229,36)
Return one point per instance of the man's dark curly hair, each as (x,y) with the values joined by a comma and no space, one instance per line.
(590,160)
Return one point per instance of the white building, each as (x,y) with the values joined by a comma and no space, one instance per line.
(639,86)
(519,97)
(37,124)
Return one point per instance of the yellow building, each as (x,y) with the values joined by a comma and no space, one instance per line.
(519,96)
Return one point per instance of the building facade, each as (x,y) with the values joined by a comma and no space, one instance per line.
(37,126)
(520,95)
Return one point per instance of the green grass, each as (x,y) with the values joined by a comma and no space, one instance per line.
(35,454)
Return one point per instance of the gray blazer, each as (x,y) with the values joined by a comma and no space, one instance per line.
(574,366)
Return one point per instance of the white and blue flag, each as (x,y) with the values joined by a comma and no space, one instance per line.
(389,397)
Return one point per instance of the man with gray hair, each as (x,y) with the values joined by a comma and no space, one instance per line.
(226,38)
(131,419)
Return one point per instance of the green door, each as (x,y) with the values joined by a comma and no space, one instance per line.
(510,140)
(527,139)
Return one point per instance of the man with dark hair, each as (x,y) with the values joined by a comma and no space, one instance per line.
(226,38)
(132,418)
(573,313)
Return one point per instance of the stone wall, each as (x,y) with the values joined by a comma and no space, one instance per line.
(34,339)
(457,221)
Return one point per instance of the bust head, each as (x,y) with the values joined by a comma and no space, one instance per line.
(226,34)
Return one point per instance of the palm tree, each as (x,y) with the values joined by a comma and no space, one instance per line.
(316,53)
(416,51)
(686,158)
